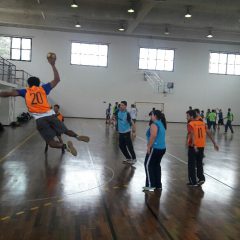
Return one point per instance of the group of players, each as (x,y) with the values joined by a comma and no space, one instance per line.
(215,119)
(50,125)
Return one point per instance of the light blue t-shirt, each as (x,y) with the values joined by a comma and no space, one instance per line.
(123,123)
(159,142)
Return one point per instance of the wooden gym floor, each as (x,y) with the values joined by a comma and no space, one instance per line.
(95,196)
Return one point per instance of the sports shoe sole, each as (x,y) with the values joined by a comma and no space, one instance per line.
(83,138)
(71,148)
(201,183)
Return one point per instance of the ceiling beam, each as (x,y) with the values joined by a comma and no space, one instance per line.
(146,7)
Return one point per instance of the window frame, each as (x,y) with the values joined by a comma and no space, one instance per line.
(222,52)
(11,48)
(93,43)
(146,69)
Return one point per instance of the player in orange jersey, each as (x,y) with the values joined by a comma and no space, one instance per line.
(37,103)
(197,132)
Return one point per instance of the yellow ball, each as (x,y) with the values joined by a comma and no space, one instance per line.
(51,55)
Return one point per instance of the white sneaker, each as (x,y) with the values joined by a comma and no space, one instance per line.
(132,161)
(150,189)
(201,182)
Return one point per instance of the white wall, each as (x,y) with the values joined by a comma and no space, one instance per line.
(10,108)
(4,111)
(83,89)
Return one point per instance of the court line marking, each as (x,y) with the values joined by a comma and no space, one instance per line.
(109,220)
(71,194)
(182,161)
(35,208)
(18,146)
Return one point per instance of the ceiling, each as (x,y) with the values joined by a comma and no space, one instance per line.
(149,20)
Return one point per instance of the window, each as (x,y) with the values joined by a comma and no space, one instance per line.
(89,54)
(16,48)
(5,46)
(224,63)
(21,49)
(156,59)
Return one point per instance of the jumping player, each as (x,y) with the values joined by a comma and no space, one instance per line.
(37,103)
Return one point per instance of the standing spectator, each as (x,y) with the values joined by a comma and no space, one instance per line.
(115,108)
(133,113)
(108,113)
(150,115)
(198,114)
(230,119)
(207,118)
(212,120)
(220,118)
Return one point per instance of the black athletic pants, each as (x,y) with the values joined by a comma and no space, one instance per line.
(195,159)
(126,146)
(212,124)
(229,125)
(152,166)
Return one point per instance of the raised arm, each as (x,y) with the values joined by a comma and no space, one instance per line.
(56,79)
(212,139)
(13,93)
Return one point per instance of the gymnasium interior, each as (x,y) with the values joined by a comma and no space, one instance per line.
(164,54)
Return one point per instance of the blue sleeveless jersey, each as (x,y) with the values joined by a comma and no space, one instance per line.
(159,142)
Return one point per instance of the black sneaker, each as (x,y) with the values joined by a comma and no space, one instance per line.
(192,185)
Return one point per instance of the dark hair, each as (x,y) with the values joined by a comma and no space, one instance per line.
(160,116)
(124,103)
(229,109)
(197,111)
(56,105)
(192,113)
(190,108)
(132,105)
(33,81)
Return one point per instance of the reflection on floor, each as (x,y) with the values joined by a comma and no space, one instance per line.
(95,196)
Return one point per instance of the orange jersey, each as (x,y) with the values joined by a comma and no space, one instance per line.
(36,100)
(198,128)
(60,117)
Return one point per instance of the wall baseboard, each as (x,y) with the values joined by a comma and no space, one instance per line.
(137,120)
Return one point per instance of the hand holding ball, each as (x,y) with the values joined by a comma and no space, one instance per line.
(51,57)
